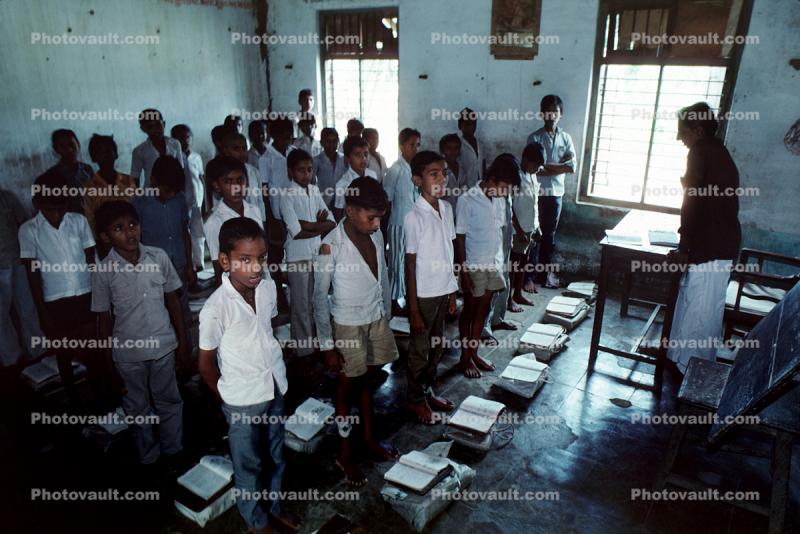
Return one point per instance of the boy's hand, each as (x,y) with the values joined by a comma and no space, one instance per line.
(537,235)
(322,215)
(466,283)
(417,324)
(333,360)
(452,304)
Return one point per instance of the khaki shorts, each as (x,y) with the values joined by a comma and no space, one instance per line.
(521,245)
(364,345)
(484,280)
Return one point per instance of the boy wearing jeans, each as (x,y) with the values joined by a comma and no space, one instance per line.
(241,361)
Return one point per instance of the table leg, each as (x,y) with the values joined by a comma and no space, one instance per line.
(669,311)
(602,289)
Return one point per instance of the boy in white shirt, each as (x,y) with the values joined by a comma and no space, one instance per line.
(329,165)
(308,126)
(356,152)
(480,256)
(306,218)
(526,222)
(227,177)
(430,282)
(241,361)
(194,162)
(144,156)
(457,178)
(57,247)
(375,161)
(235,145)
(402,194)
(257,133)
(357,342)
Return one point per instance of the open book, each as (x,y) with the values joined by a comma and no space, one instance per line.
(418,471)
(584,290)
(541,335)
(477,414)
(309,418)
(209,477)
(565,306)
(617,237)
(45,372)
(524,369)
(113,422)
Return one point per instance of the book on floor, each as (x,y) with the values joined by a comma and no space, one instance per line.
(44,373)
(309,418)
(565,306)
(210,477)
(477,414)
(418,471)
(524,369)
(584,290)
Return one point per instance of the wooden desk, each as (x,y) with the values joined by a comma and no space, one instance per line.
(637,223)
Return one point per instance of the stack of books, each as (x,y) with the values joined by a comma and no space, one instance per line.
(43,376)
(566,311)
(523,376)
(304,428)
(582,290)
(543,340)
(418,471)
(472,423)
(205,491)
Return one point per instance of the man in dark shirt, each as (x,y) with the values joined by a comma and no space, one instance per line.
(710,237)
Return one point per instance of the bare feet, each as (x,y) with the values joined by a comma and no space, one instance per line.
(422,412)
(468,367)
(353,476)
(530,287)
(504,325)
(520,299)
(513,307)
(482,364)
(440,404)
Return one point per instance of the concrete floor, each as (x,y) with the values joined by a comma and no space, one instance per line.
(591,454)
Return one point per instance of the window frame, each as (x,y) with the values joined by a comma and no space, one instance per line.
(732,70)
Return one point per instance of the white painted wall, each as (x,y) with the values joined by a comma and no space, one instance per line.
(194,74)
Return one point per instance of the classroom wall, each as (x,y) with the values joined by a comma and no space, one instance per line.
(193,74)
(458,76)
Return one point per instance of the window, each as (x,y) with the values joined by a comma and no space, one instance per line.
(361,78)
(650,62)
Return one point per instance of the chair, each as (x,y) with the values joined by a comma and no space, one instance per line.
(751,293)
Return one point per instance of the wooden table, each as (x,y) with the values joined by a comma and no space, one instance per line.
(637,223)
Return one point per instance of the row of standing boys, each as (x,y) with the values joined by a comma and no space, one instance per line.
(301,210)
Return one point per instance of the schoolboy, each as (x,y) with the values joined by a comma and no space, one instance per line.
(457,178)
(356,151)
(402,194)
(197,209)
(430,282)
(241,361)
(307,218)
(235,145)
(329,165)
(480,257)
(227,178)
(376,161)
(257,133)
(526,222)
(308,127)
(357,341)
(560,160)
(57,249)
(106,184)
(151,122)
(355,128)
(136,295)
(74,172)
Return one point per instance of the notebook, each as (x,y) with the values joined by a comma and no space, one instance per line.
(309,418)
(617,237)
(209,477)
(663,238)
(565,306)
(418,471)
(477,414)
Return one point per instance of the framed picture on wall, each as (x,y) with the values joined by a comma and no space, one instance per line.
(515,28)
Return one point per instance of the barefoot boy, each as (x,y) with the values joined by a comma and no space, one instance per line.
(479,255)
(357,342)
(430,283)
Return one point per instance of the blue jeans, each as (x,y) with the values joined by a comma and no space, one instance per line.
(250,442)
(549,213)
